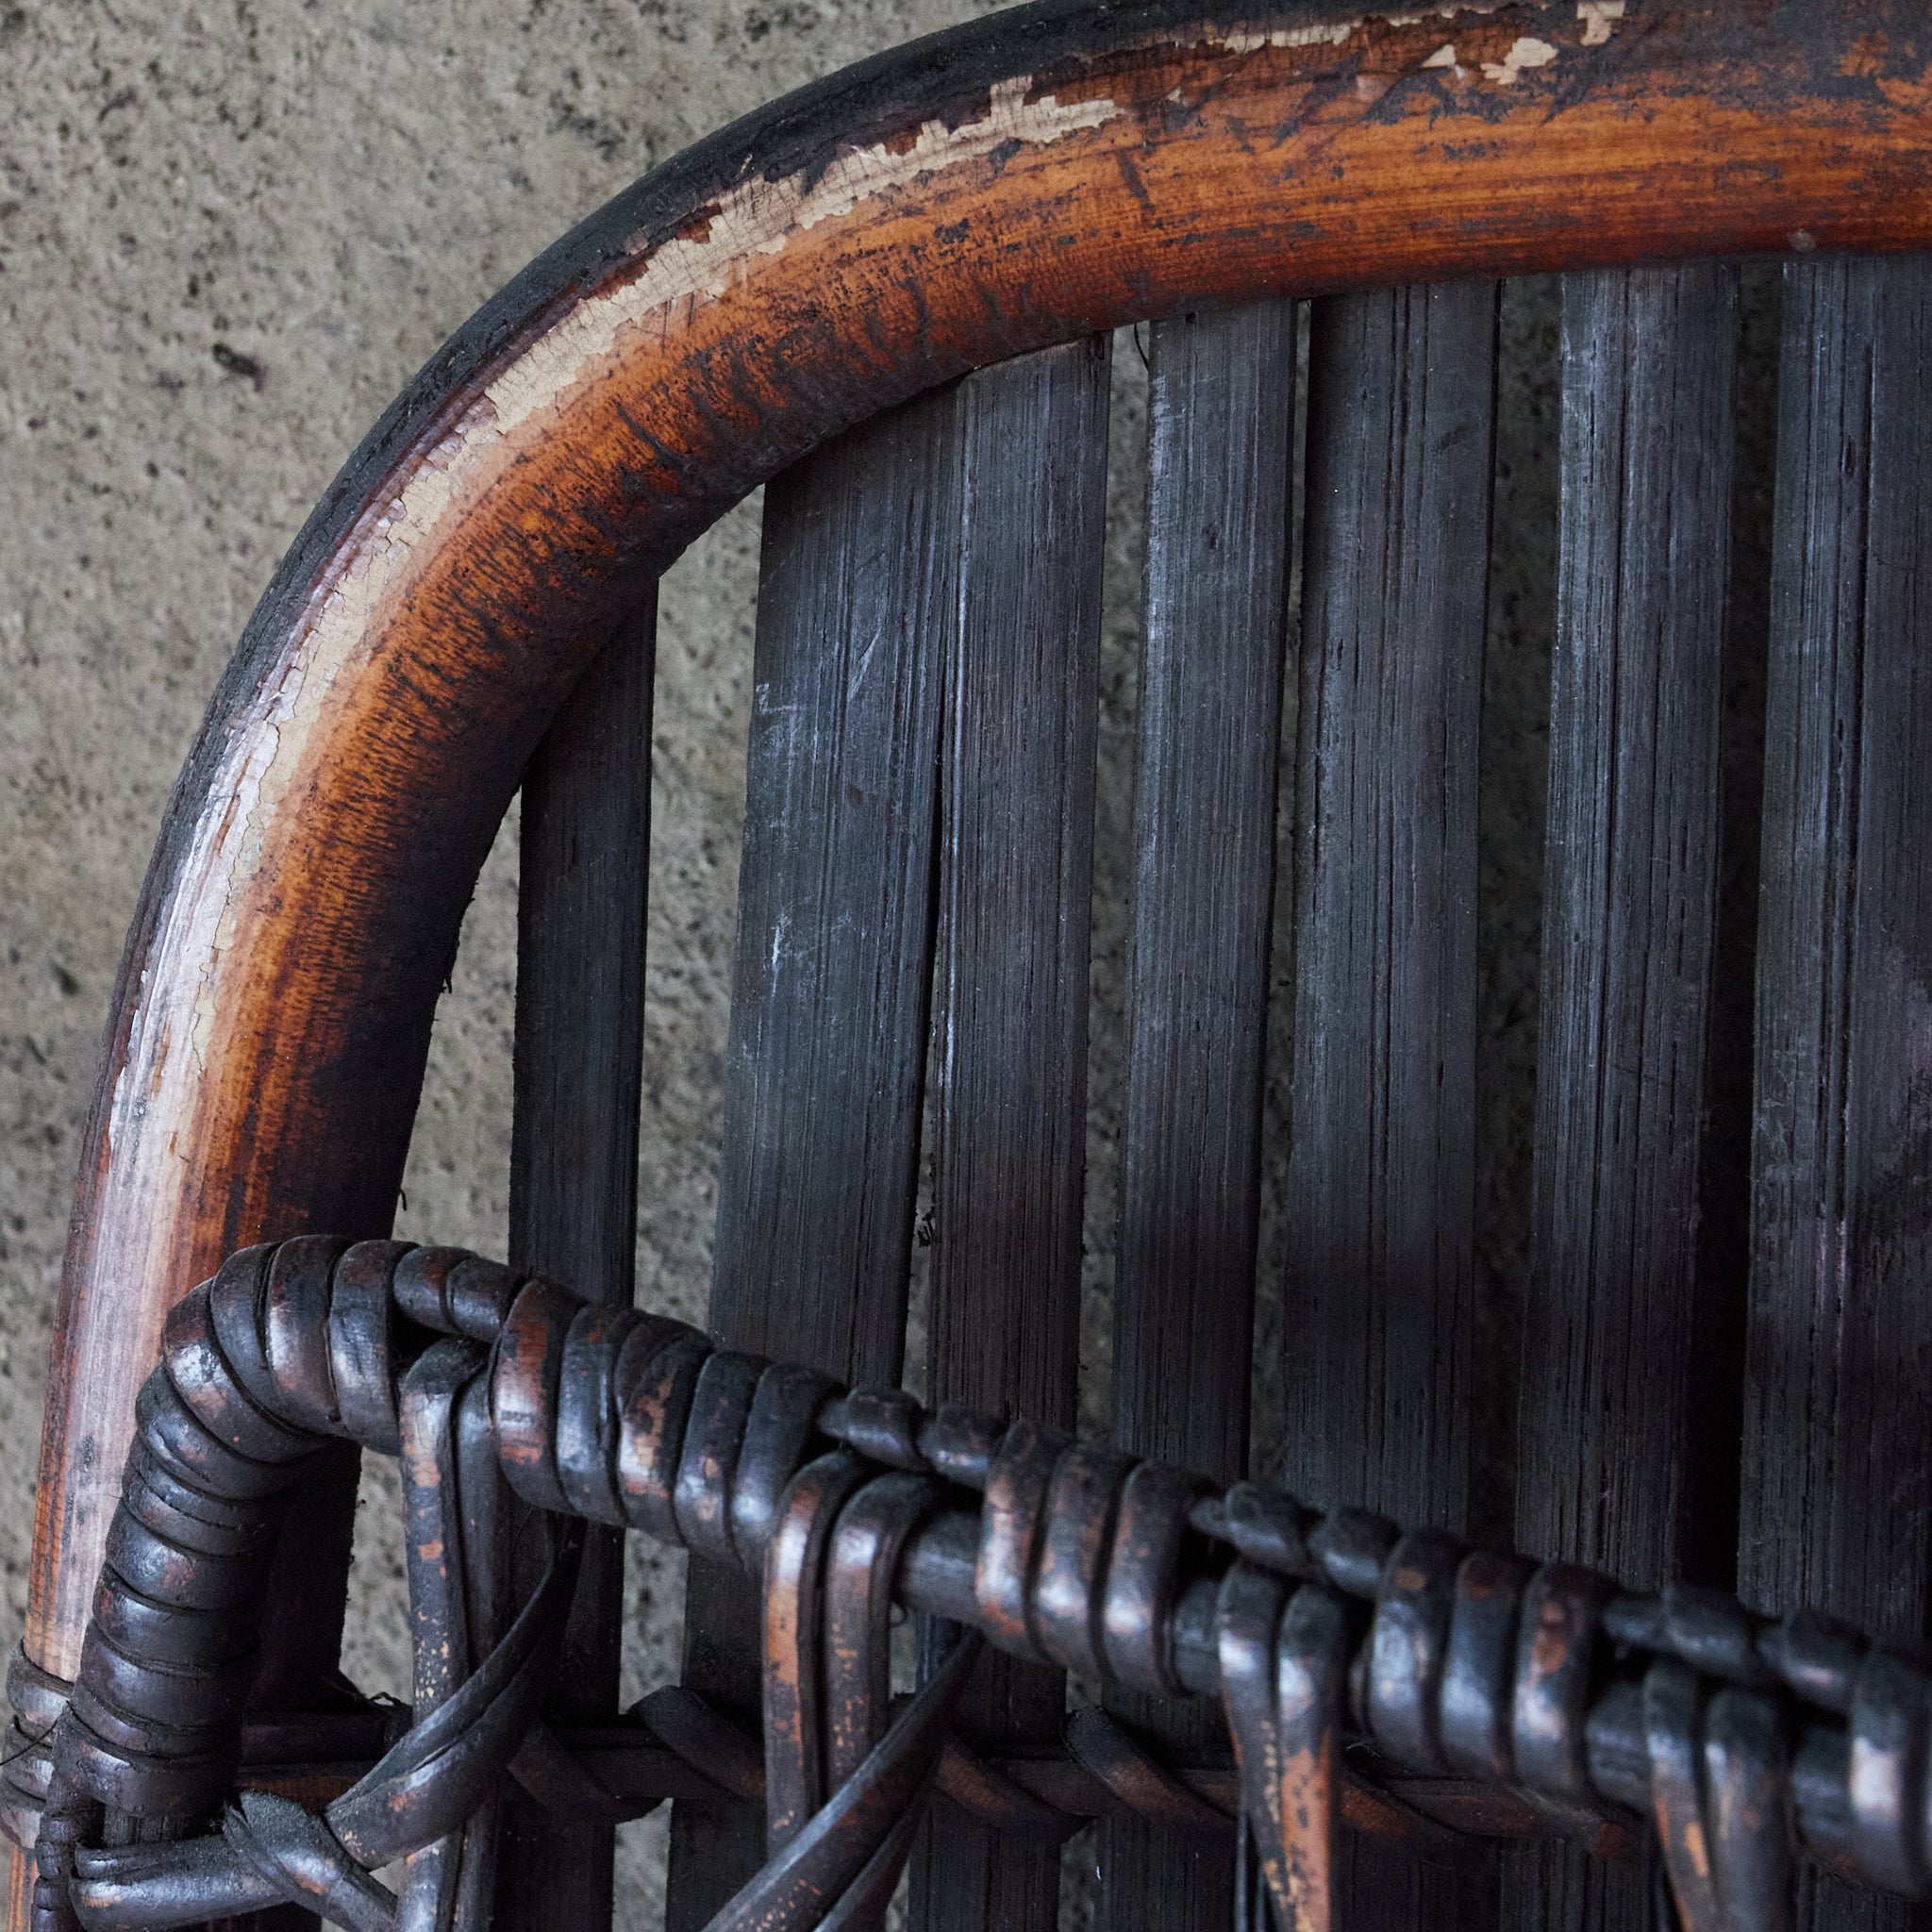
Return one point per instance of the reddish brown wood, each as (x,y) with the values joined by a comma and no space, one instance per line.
(740,304)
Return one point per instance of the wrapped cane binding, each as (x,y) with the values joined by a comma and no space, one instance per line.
(1493,1693)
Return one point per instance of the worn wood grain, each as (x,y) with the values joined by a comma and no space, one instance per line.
(582,884)
(1630,916)
(825,1059)
(1009,998)
(1839,1394)
(1380,1215)
(1220,427)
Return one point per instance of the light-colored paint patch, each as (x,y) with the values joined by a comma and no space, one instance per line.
(1246,40)
(1526,53)
(236,810)
(1599,18)
(1251,41)
(759,217)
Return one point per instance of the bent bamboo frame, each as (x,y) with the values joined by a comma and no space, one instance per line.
(991,190)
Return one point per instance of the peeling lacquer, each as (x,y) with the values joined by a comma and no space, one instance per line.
(758,218)
(1527,52)
(1599,18)
(1337,33)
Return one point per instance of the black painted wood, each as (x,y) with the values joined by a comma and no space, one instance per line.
(1839,1393)
(1220,427)
(826,1061)
(1629,912)
(573,1156)
(1381,1186)
(1381,1183)
(1010,997)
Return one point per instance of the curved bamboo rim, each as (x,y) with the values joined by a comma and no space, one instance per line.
(986,191)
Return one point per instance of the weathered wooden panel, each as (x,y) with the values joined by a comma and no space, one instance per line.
(1630,915)
(1010,997)
(573,1155)
(1220,425)
(825,1060)
(1839,1393)
(1381,1182)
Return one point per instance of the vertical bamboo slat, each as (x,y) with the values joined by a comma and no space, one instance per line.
(1629,912)
(1221,408)
(1010,998)
(573,1156)
(827,1054)
(1381,1184)
(1834,1499)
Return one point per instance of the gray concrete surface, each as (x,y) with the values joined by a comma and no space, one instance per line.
(230,231)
